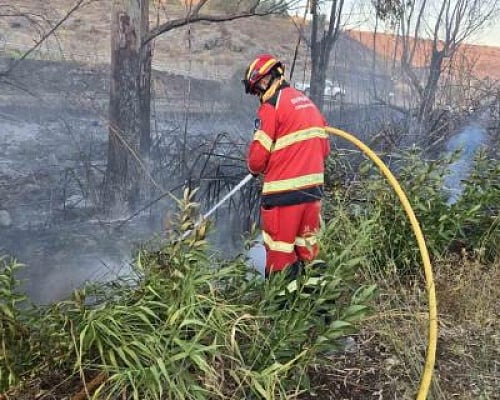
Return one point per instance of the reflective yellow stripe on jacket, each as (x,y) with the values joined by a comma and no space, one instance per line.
(299,136)
(293,183)
(263,139)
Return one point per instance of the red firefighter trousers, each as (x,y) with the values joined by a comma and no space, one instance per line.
(290,234)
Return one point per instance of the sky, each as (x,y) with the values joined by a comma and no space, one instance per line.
(490,37)
(361,10)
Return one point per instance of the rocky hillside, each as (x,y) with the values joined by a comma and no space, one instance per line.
(204,50)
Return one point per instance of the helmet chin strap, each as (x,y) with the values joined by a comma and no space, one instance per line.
(271,89)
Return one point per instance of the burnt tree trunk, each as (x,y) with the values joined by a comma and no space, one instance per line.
(129,107)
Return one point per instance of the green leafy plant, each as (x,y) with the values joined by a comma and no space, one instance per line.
(13,331)
(479,206)
(471,222)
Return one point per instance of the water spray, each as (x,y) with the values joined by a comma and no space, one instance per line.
(242,183)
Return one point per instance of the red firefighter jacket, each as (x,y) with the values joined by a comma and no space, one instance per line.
(289,147)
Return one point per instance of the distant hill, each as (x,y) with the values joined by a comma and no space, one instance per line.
(210,51)
(484,61)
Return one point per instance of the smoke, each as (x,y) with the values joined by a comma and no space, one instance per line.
(64,257)
(468,141)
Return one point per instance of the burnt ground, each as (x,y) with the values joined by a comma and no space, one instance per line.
(52,161)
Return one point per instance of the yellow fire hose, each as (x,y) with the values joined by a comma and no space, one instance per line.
(425,379)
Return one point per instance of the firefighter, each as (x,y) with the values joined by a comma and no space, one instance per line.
(289,149)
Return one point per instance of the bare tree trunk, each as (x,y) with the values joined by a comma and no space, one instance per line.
(145,83)
(321,47)
(431,87)
(318,69)
(318,77)
(129,106)
(315,48)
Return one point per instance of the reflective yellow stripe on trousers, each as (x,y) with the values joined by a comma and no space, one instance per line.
(285,247)
(276,245)
(293,183)
(306,241)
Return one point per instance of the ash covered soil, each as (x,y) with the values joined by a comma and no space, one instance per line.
(53,143)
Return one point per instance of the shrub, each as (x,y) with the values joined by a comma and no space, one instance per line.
(471,222)
(189,325)
(35,341)
(479,206)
